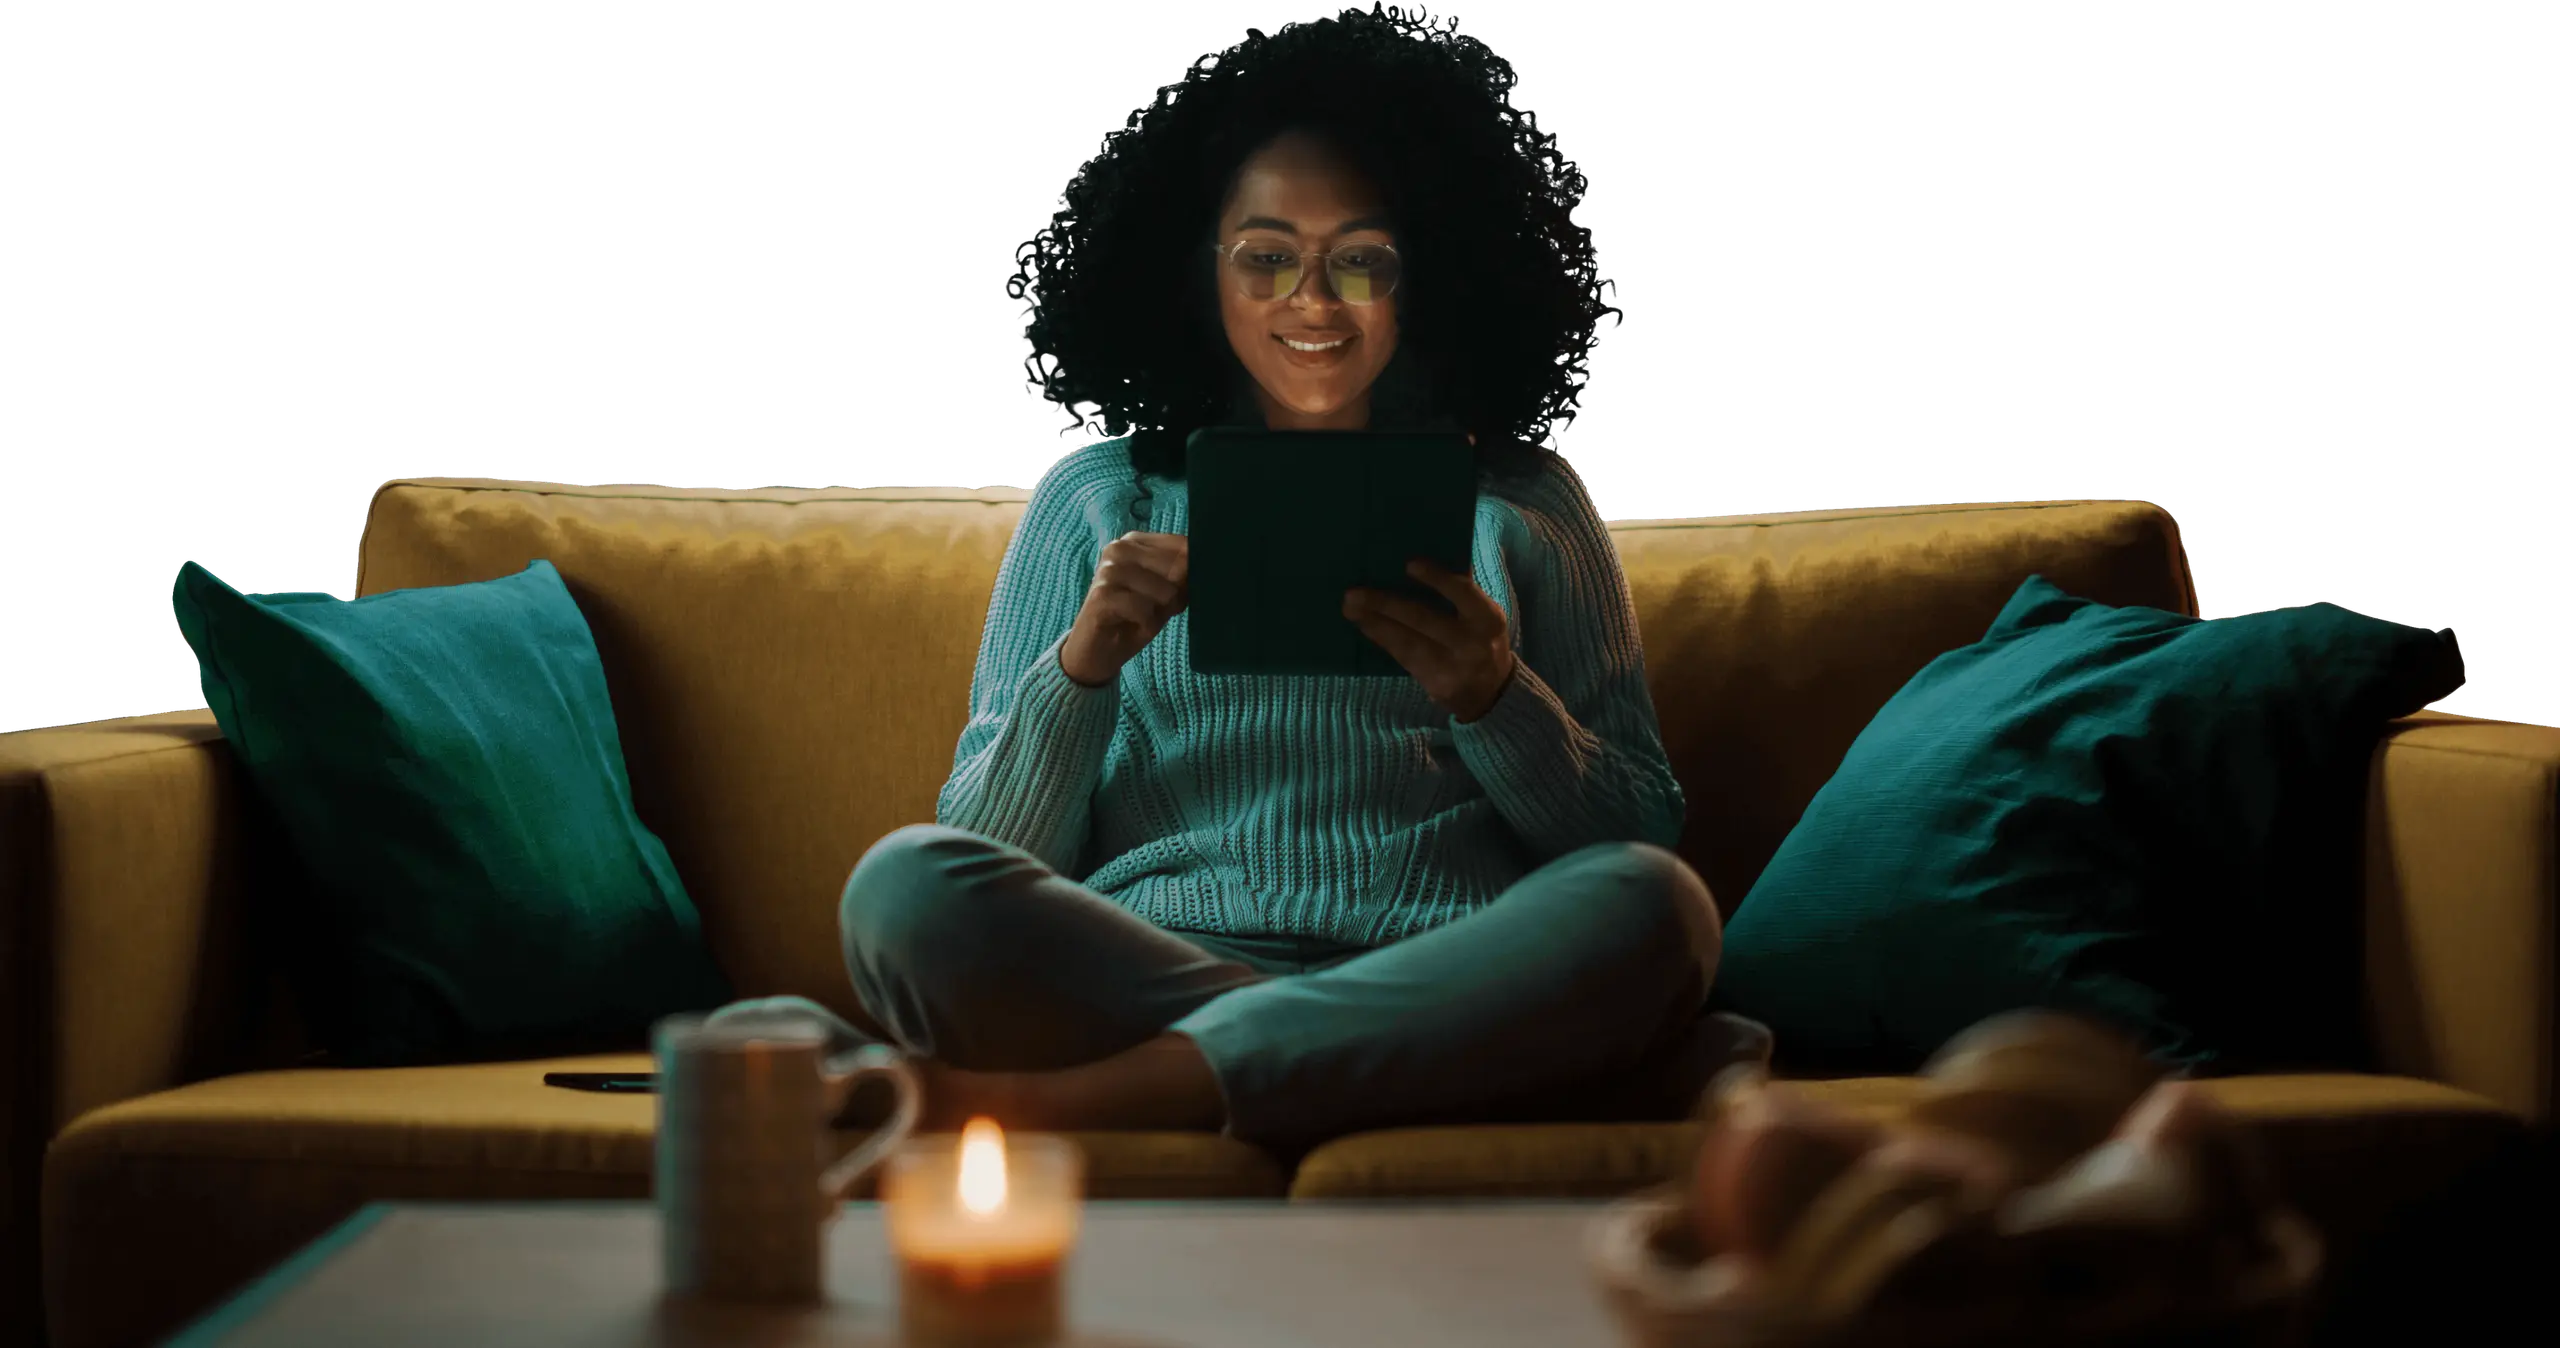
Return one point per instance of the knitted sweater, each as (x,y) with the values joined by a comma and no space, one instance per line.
(1348,811)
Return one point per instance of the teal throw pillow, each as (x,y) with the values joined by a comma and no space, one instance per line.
(2129,813)
(445,765)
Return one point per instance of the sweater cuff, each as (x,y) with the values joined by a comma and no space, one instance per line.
(1065,717)
(1057,734)
(1526,738)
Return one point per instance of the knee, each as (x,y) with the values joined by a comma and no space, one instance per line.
(898,897)
(1657,901)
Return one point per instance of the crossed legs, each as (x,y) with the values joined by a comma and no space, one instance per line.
(1028,997)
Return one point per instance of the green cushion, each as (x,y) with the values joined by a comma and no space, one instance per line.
(445,766)
(2125,812)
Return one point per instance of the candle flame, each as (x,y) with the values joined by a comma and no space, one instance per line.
(982,1166)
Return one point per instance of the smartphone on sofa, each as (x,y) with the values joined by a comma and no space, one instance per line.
(637,1083)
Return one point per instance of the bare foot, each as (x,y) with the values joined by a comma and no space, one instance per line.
(1161,1084)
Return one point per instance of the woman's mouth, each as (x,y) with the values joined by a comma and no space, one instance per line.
(1314,355)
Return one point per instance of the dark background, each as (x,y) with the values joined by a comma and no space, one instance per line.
(2264,274)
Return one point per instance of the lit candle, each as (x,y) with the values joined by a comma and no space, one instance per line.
(982,1227)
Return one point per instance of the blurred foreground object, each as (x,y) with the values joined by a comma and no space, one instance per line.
(2049,1187)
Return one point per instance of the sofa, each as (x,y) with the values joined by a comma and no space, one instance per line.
(790,671)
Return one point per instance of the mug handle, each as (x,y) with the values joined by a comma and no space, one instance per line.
(871,1060)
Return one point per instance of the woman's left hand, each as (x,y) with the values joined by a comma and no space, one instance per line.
(1463,660)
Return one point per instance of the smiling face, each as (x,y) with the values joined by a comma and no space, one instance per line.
(1295,193)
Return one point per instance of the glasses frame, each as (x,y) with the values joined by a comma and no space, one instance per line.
(1226,263)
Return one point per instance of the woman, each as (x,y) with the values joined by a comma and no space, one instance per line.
(1294,907)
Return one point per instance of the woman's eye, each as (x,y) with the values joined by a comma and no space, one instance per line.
(1266,257)
(1362,258)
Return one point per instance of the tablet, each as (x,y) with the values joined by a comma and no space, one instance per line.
(1283,522)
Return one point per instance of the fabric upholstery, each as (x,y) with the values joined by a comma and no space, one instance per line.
(2462,907)
(2307,1122)
(129,861)
(2135,815)
(1770,640)
(790,670)
(446,764)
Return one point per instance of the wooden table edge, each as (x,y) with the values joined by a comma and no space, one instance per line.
(235,1310)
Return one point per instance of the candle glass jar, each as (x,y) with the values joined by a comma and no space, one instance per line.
(978,1267)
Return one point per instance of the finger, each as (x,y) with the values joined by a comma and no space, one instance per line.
(1167,555)
(1134,608)
(1129,553)
(1146,585)
(1396,640)
(1419,653)
(1152,545)
(1439,628)
(1460,587)
(1119,573)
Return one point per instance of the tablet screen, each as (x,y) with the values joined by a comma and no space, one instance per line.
(1283,522)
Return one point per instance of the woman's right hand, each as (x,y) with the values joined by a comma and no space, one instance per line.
(1140,583)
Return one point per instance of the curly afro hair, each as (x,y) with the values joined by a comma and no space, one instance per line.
(1499,299)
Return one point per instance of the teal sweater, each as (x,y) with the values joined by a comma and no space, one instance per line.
(1346,811)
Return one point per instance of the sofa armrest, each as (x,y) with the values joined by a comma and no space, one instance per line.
(123,853)
(2462,884)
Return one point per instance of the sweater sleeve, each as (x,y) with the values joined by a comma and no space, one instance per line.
(1571,752)
(1032,751)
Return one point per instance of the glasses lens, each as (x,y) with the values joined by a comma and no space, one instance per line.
(1360,273)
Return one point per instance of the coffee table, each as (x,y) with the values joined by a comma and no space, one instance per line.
(1144,1275)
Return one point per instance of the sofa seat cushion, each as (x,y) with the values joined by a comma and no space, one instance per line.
(2347,1149)
(1547,1160)
(156,1207)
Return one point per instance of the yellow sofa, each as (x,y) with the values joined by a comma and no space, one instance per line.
(790,669)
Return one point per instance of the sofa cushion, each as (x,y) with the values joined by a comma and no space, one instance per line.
(2350,1151)
(205,1185)
(446,765)
(790,667)
(1545,1160)
(2119,811)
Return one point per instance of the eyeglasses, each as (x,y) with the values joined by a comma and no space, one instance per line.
(1269,269)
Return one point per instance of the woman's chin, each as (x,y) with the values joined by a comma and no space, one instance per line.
(1301,406)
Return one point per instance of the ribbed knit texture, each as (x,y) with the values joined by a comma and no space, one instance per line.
(1349,810)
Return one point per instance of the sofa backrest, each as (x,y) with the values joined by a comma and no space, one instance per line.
(790,667)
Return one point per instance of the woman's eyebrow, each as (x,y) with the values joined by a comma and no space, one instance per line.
(1348,226)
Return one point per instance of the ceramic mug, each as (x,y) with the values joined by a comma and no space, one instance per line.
(744,1191)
